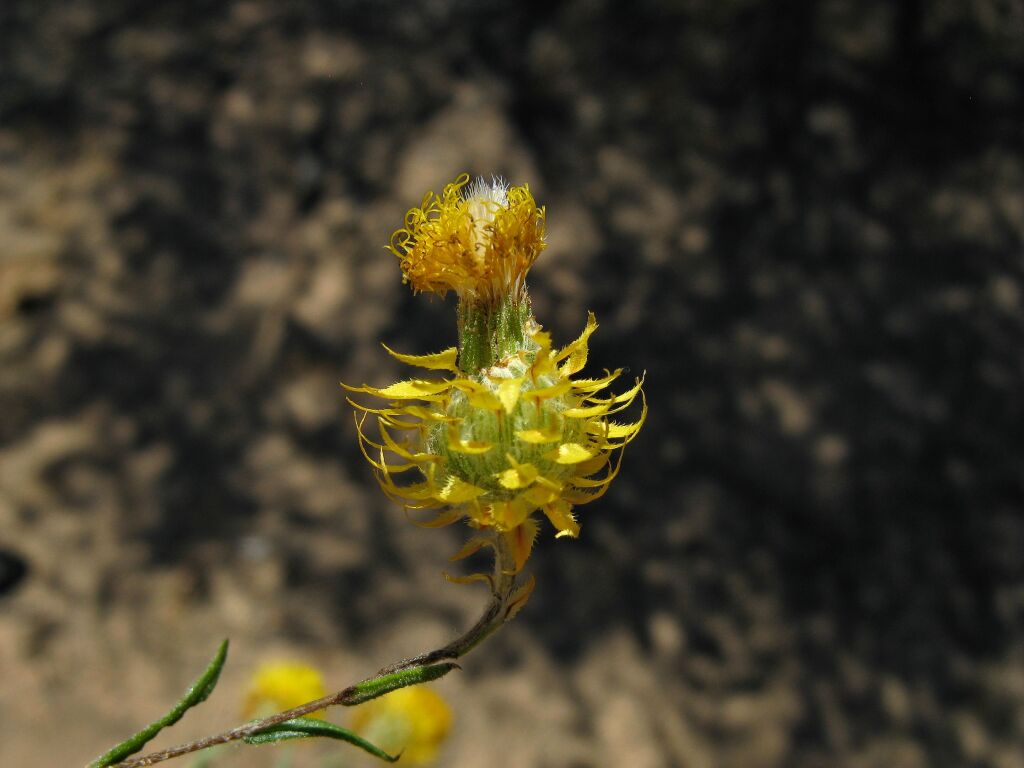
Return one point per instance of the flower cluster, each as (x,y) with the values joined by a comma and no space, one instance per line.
(512,430)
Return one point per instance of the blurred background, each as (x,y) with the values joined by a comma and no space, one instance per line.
(804,220)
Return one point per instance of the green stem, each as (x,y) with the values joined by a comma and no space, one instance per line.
(354,694)
(489,333)
(503,584)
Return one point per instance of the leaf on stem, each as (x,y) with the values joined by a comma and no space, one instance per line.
(378,686)
(306,727)
(196,694)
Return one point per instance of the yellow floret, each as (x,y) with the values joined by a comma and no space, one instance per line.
(478,240)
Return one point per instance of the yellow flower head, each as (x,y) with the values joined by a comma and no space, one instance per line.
(477,240)
(414,721)
(511,431)
(277,686)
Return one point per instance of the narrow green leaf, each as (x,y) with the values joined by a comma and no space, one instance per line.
(196,694)
(307,727)
(378,686)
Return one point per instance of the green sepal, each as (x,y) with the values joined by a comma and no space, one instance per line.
(196,694)
(307,727)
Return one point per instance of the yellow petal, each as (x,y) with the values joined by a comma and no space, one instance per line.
(560,514)
(424,494)
(469,579)
(579,498)
(576,496)
(545,393)
(425,491)
(470,447)
(412,389)
(399,424)
(520,541)
(471,547)
(391,489)
(376,411)
(577,351)
(587,411)
(570,453)
(440,361)
(538,495)
(613,430)
(478,395)
(507,515)
(394,447)
(608,406)
(543,340)
(456,491)
(425,414)
(543,363)
(518,476)
(590,466)
(539,436)
(382,465)
(418,500)
(595,385)
(630,394)
(600,482)
(388,416)
(553,485)
(508,393)
(410,410)
(624,433)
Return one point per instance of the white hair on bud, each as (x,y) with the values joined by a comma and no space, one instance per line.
(483,201)
(496,191)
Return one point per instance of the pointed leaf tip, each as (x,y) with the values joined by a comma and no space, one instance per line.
(197,693)
(378,686)
(305,728)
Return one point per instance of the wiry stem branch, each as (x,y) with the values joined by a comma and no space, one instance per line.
(502,586)
(410,671)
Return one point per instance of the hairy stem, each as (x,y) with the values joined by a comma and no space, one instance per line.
(502,586)
(490,332)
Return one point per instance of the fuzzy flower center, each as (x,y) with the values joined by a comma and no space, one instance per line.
(478,239)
